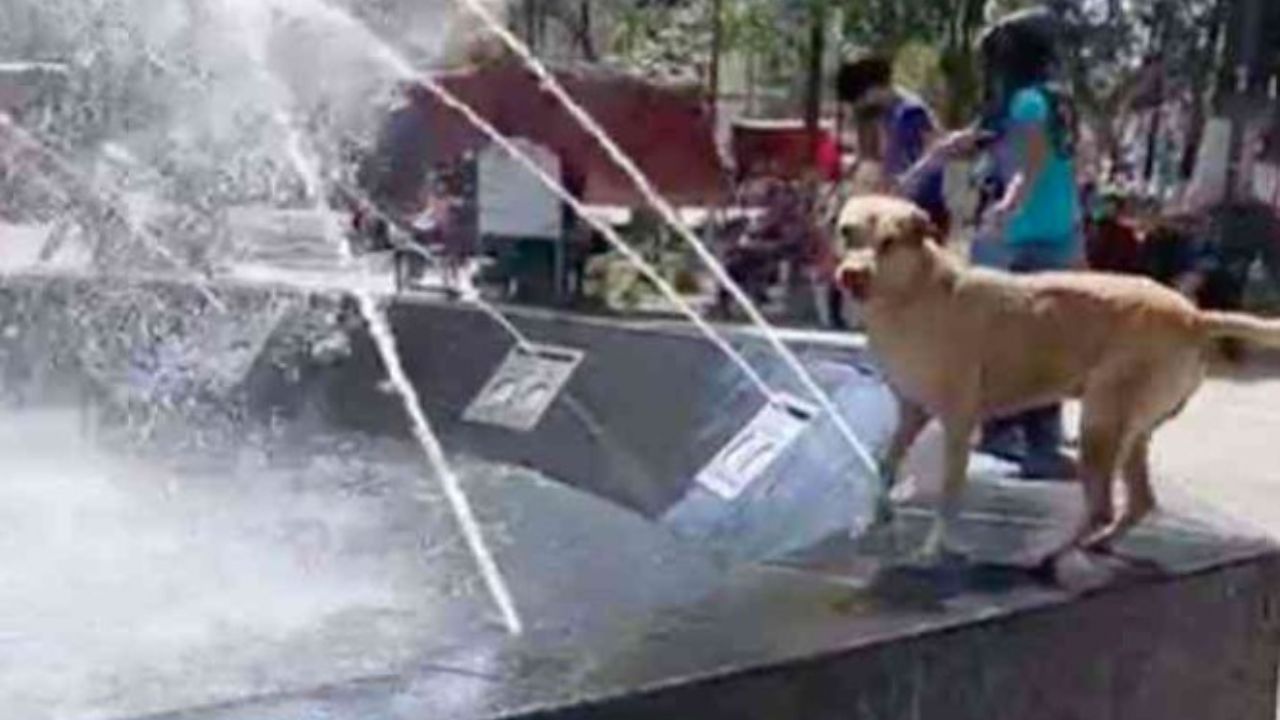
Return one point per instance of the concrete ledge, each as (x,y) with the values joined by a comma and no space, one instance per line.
(1194,639)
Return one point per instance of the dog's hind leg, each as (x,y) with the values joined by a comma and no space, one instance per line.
(1154,401)
(1100,447)
(1140,499)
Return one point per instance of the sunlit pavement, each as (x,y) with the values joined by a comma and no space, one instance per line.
(1225,447)
(1223,452)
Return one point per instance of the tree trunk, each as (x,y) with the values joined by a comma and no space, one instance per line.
(713,72)
(586,38)
(1202,75)
(813,89)
(1248,37)
(531,24)
(1153,131)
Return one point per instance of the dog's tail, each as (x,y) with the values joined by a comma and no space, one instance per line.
(1239,326)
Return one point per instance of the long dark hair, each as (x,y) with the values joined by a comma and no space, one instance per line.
(1018,52)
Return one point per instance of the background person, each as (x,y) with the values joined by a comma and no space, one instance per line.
(1037,216)
(1112,242)
(910,150)
(899,150)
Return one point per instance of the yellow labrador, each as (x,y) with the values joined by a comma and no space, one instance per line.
(964,344)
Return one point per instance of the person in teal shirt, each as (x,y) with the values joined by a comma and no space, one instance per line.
(1037,217)
(1039,210)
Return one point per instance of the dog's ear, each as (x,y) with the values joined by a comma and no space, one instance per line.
(920,227)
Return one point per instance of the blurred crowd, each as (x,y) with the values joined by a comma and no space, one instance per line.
(1015,189)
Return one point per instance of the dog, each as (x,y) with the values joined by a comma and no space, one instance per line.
(964,344)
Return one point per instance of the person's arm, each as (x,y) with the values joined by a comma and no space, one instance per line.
(1034,157)
(940,148)
(914,134)
(1030,115)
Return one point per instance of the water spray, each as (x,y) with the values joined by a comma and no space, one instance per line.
(584,119)
(385,341)
(489,310)
(28,139)
(406,71)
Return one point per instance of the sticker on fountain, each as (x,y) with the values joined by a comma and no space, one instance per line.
(741,462)
(529,379)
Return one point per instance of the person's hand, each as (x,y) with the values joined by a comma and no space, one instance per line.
(958,143)
(997,216)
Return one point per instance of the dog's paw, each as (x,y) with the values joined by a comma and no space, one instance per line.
(1102,539)
(934,547)
(1100,542)
(884,512)
(942,546)
(1076,571)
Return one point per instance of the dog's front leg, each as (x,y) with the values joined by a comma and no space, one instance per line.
(912,419)
(957,435)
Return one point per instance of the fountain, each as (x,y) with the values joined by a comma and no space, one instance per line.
(234,490)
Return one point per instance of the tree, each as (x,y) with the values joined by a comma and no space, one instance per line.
(950,27)
(1146,51)
(1111,51)
(670,42)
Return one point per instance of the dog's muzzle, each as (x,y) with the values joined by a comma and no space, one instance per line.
(854,278)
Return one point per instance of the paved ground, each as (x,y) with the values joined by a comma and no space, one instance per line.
(1224,449)
(1221,457)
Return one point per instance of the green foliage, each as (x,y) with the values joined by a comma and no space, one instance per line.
(1105,50)
(948,29)
(669,42)
(672,40)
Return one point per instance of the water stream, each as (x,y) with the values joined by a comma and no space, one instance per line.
(401,66)
(579,115)
(384,339)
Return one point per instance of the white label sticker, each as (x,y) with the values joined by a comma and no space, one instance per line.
(741,462)
(524,386)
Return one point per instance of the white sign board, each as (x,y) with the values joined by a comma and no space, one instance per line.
(523,387)
(741,462)
(513,202)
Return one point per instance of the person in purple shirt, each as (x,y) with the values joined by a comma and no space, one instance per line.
(913,150)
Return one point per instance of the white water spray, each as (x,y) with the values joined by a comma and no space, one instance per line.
(11,129)
(384,339)
(552,86)
(403,69)
(385,342)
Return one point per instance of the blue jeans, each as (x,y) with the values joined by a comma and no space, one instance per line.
(1040,428)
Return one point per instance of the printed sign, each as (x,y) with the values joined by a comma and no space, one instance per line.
(513,202)
(524,386)
(741,462)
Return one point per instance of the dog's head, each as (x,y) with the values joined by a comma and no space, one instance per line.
(885,244)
